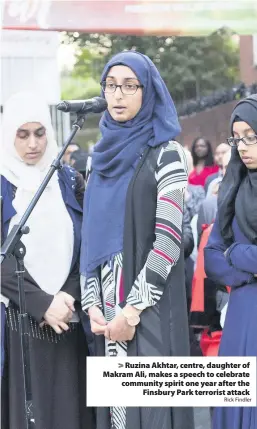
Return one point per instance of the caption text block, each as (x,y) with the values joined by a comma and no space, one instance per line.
(171,381)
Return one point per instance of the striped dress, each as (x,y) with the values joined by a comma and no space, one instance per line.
(107,281)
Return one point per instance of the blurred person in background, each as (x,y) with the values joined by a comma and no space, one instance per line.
(203,162)
(58,346)
(188,249)
(208,297)
(194,194)
(231,252)
(215,178)
(70,149)
(131,256)
(78,160)
(209,206)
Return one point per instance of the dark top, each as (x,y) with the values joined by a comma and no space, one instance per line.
(163,328)
(38,301)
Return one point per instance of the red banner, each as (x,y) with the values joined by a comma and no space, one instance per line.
(176,17)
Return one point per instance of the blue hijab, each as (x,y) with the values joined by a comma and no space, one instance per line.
(115,157)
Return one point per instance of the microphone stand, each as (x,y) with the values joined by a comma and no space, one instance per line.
(14,246)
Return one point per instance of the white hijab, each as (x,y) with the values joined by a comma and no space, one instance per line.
(49,244)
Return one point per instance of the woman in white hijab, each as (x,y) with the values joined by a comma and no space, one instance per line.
(58,347)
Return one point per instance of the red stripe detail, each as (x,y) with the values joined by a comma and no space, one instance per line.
(108,304)
(159,252)
(169,229)
(168,200)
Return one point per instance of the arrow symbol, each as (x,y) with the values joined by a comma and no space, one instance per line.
(120,365)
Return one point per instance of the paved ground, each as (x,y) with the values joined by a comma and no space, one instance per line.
(202,418)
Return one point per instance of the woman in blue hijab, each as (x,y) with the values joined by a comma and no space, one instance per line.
(131,258)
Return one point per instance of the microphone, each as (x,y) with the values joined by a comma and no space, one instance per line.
(95,105)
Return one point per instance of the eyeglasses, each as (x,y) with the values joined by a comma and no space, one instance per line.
(126,88)
(248,140)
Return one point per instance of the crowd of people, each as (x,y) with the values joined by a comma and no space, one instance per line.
(140,248)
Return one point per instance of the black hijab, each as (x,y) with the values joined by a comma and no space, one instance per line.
(238,190)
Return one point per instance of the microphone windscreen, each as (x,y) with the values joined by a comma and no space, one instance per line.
(100,106)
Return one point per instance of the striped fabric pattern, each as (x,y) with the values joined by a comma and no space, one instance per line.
(90,292)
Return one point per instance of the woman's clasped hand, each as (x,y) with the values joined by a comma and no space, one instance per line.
(60,312)
(116,330)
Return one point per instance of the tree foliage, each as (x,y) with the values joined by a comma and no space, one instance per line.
(76,88)
(190,66)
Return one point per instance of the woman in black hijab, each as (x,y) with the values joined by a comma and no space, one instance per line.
(231,252)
